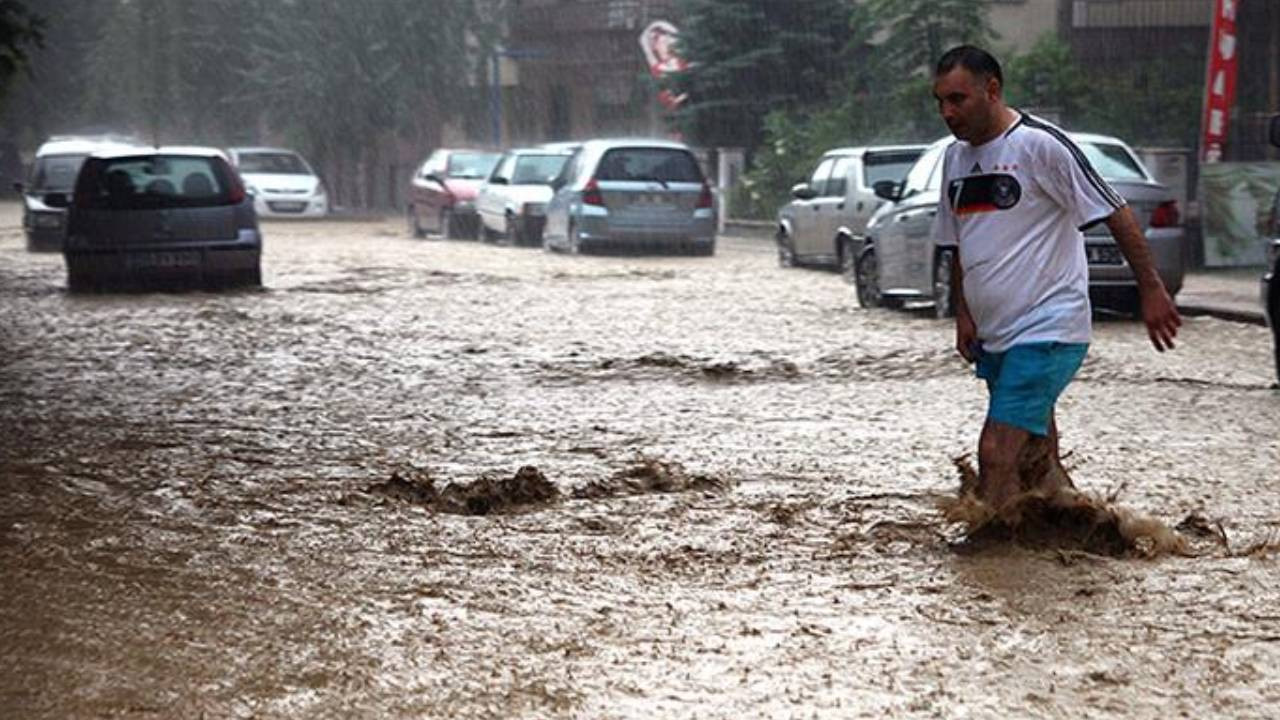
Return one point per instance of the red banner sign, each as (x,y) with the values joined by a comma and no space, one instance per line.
(1220,80)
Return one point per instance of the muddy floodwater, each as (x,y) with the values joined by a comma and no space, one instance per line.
(699,488)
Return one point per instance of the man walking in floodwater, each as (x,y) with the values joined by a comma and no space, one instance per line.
(1017,193)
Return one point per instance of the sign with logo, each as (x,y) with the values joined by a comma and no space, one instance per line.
(658,41)
(1220,79)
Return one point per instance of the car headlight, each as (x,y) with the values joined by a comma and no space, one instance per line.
(534,209)
(319,191)
(464,206)
(48,220)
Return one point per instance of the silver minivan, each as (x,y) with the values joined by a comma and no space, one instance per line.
(899,263)
(631,196)
(169,216)
(836,203)
(54,173)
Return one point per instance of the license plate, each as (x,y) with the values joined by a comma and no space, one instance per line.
(1103,255)
(287,206)
(163,259)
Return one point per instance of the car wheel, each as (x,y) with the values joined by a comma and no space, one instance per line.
(448,225)
(943,305)
(415,230)
(786,251)
(575,242)
(867,280)
(511,232)
(705,249)
(848,261)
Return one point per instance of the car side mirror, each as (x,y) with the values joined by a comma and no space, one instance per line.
(435,178)
(557,183)
(499,181)
(1275,130)
(887,190)
(56,200)
(802,191)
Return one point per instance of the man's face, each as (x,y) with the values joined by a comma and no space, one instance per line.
(965,101)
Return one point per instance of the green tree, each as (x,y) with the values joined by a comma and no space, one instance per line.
(885,97)
(20,30)
(749,57)
(1047,79)
(343,78)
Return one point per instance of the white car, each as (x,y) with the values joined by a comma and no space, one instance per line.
(513,202)
(283,185)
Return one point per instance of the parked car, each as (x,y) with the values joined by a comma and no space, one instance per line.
(176,216)
(282,183)
(513,202)
(898,261)
(443,191)
(837,202)
(632,195)
(54,172)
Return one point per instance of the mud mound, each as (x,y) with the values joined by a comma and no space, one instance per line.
(724,370)
(1059,518)
(649,475)
(528,487)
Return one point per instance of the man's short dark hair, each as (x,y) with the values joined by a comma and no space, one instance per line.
(974,59)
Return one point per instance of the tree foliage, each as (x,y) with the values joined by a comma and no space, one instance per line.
(752,56)
(20,29)
(344,81)
(884,97)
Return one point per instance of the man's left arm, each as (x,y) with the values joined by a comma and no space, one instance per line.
(1158,311)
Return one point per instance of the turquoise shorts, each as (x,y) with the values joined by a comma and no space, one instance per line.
(1026,380)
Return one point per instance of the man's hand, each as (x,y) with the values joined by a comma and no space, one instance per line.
(1160,315)
(1158,310)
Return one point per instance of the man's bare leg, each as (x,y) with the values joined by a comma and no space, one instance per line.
(1043,462)
(999,448)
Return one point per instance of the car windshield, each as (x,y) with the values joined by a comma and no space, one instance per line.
(153,181)
(877,166)
(471,165)
(1112,161)
(55,173)
(278,163)
(660,164)
(918,177)
(537,169)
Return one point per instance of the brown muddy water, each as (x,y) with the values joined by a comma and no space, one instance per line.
(429,479)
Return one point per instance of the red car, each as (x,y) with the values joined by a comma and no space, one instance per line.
(443,192)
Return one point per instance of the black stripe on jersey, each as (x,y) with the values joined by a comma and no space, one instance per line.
(1096,180)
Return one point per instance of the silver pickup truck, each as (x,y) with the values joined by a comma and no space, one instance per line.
(833,207)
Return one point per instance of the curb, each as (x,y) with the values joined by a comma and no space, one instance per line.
(1251,317)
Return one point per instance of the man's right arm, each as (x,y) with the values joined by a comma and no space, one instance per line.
(966,330)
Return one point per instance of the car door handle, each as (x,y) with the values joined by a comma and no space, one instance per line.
(840,206)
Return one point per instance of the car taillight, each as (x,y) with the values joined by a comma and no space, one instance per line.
(704,198)
(1166,215)
(235,188)
(591,194)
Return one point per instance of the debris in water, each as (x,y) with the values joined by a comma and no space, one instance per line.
(481,497)
(1044,515)
(649,475)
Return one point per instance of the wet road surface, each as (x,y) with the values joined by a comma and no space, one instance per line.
(195,522)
